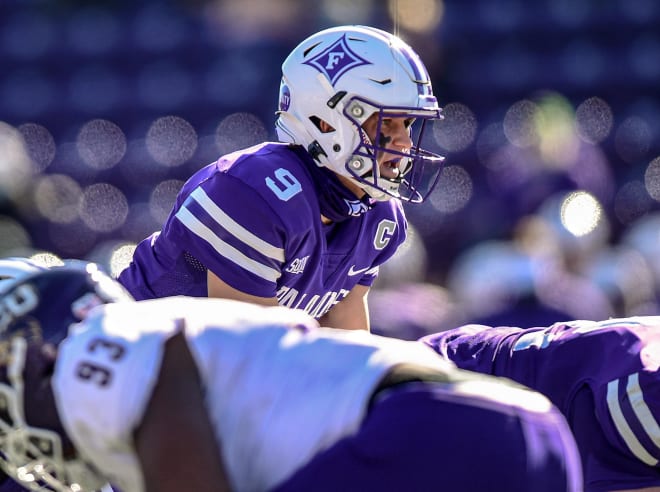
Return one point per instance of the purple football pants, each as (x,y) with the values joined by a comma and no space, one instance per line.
(420,437)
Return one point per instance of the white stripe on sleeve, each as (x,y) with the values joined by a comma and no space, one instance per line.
(240,232)
(641,409)
(622,426)
(224,249)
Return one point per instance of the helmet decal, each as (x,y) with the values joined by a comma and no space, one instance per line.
(285,97)
(336,60)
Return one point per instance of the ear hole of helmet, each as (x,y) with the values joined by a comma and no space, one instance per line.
(315,150)
(322,125)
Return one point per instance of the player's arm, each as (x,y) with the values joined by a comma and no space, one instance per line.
(218,288)
(176,442)
(351,313)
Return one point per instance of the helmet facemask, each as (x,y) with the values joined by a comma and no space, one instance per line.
(417,170)
(34,456)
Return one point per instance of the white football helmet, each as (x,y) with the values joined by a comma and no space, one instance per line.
(342,76)
(15,268)
(36,312)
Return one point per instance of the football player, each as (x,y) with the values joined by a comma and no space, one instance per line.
(602,375)
(305,222)
(214,394)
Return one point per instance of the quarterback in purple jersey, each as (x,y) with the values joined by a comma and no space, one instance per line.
(602,375)
(306,222)
(183,393)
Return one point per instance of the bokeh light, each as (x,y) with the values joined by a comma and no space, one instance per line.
(519,124)
(103,207)
(39,143)
(652,179)
(580,213)
(416,15)
(593,120)
(101,144)
(171,140)
(57,198)
(15,163)
(121,257)
(162,199)
(457,130)
(454,190)
(47,259)
(239,131)
(558,144)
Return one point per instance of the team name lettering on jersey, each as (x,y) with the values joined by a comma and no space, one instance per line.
(297,265)
(384,233)
(316,305)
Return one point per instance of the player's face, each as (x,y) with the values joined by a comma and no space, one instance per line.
(394,134)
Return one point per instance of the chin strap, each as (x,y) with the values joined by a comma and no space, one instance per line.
(336,202)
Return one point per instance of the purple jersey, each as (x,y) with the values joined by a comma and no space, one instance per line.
(253,219)
(405,444)
(602,375)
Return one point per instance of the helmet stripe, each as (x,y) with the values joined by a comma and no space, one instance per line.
(418,69)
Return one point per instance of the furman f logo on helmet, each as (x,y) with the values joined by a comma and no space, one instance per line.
(344,75)
(336,60)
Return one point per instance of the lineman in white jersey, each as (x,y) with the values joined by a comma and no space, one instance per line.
(208,394)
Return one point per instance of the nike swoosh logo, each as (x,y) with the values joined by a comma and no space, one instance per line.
(352,272)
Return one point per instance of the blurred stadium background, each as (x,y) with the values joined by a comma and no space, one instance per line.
(548,206)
